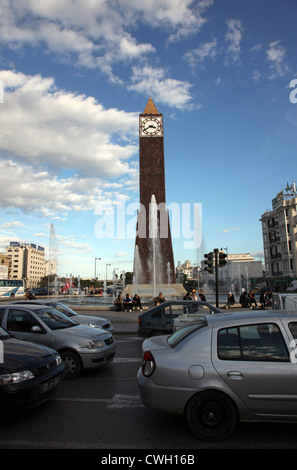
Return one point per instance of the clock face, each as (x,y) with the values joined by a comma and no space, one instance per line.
(151,126)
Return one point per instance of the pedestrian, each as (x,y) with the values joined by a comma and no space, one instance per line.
(128,305)
(118,303)
(251,299)
(263,298)
(230,300)
(137,302)
(193,295)
(243,300)
(160,299)
(187,296)
(202,297)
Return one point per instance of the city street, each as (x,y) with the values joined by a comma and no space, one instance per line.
(102,410)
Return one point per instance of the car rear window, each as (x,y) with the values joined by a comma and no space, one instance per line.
(179,335)
(257,342)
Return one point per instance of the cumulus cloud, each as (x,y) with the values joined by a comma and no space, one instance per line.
(42,124)
(95,34)
(175,93)
(42,192)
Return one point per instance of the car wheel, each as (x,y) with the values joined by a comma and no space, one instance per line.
(72,363)
(211,416)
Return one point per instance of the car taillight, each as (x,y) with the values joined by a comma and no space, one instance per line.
(148,364)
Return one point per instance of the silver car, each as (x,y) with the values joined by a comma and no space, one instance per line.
(81,347)
(224,369)
(94,322)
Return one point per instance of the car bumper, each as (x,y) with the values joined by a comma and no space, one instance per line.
(92,359)
(33,392)
(170,399)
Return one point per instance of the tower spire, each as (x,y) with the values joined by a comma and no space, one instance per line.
(150,107)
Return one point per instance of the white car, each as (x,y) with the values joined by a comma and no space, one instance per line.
(80,346)
(94,322)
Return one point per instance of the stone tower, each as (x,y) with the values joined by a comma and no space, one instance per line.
(153,258)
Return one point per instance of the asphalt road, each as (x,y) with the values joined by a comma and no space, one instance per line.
(101,410)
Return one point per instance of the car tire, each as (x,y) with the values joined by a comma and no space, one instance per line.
(72,363)
(211,416)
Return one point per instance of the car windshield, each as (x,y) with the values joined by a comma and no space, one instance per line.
(179,335)
(64,309)
(54,319)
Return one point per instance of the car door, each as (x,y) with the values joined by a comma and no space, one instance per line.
(257,369)
(22,323)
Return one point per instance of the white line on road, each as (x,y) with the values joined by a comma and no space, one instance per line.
(118,401)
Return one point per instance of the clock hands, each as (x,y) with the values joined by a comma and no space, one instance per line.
(148,127)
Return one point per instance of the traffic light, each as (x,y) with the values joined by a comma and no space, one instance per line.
(209,262)
(222,260)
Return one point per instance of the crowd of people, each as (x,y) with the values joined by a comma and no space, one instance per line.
(246,300)
(128,303)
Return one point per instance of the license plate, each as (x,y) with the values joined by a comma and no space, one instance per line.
(50,384)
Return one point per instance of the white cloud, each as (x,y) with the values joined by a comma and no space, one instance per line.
(95,34)
(41,124)
(275,55)
(43,193)
(201,53)
(233,38)
(156,82)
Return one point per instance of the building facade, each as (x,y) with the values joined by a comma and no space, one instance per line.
(279,229)
(27,262)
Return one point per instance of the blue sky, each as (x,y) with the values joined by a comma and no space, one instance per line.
(77,74)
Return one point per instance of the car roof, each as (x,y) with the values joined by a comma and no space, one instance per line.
(250,316)
(24,304)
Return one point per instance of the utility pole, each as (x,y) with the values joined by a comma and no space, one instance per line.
(216,251)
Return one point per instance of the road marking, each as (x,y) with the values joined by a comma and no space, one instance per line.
(125,401)
(118,401)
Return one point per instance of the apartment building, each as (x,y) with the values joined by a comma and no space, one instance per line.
(279,229)
(27,262)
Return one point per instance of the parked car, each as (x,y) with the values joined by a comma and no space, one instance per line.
(39,291)
(30,373)
(224,369)
(80,346)
(94,322)
(163,319)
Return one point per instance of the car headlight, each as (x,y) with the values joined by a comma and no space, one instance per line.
(58,359)
(94,325)
(95,344)
(16,377)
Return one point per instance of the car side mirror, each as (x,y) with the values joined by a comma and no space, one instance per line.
(36,329)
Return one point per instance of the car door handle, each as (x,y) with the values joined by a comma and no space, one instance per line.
(235,374)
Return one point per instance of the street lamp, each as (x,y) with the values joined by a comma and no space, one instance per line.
(95,268)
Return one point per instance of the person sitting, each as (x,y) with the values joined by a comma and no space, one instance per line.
(230,300)
(243,300)
(128,303)
(252,300)
(159,299)
(136,302)
(118,303)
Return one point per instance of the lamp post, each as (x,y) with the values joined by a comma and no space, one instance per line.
(95,268)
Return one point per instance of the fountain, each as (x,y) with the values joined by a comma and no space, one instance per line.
(155,264)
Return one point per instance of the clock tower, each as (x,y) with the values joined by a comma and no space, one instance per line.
(153,259)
